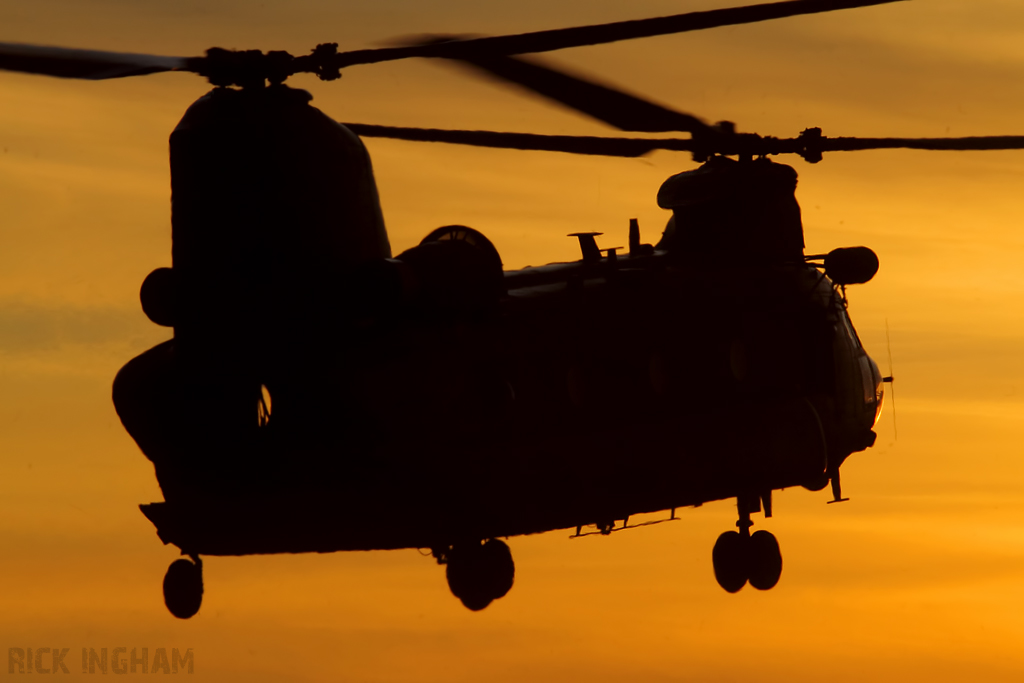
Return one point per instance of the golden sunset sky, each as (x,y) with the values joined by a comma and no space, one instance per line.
(919,577)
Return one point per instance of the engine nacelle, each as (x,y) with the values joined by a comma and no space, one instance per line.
(455,270)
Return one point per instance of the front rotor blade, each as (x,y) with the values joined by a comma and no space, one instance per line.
(615,147)
(602,102)
(559,39)
(811,144)
(93,65)
(809,147)
(991,142)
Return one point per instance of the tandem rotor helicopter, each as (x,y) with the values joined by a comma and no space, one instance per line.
(320,394)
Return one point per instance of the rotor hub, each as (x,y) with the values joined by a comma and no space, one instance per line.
(254,68)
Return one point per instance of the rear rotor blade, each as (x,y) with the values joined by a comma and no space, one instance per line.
(93,65)
(254,67)
(598,146)
(559,39)
(604,103)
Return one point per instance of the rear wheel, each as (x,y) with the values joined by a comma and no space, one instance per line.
(183,588)
(478,574)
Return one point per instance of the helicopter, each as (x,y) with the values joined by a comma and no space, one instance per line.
(501,379)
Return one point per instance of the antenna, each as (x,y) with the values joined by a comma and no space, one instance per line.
(889,380)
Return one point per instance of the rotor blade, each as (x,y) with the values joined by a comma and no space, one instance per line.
(92,65)
(602,102)
(558,39)
(598,146)
(809,147)
(811,144)
(990,142)
(99,65)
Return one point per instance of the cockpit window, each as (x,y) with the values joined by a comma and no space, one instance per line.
(851,333)
(867,380)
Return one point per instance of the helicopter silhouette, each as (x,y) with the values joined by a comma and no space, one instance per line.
(320,394)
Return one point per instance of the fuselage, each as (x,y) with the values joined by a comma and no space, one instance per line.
(430,397)
(590,392)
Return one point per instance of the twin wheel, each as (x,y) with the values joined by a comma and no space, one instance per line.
(740,556)
(479,573)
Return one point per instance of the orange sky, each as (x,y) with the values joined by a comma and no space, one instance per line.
(918,576)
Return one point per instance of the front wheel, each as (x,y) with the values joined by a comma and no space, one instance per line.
(729,559)
(765,560)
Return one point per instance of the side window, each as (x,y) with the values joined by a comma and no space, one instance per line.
(848,330)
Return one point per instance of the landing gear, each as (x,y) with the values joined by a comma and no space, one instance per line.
(183,587)
(479,573)
(739,556)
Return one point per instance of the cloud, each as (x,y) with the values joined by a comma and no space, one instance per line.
(28,328)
